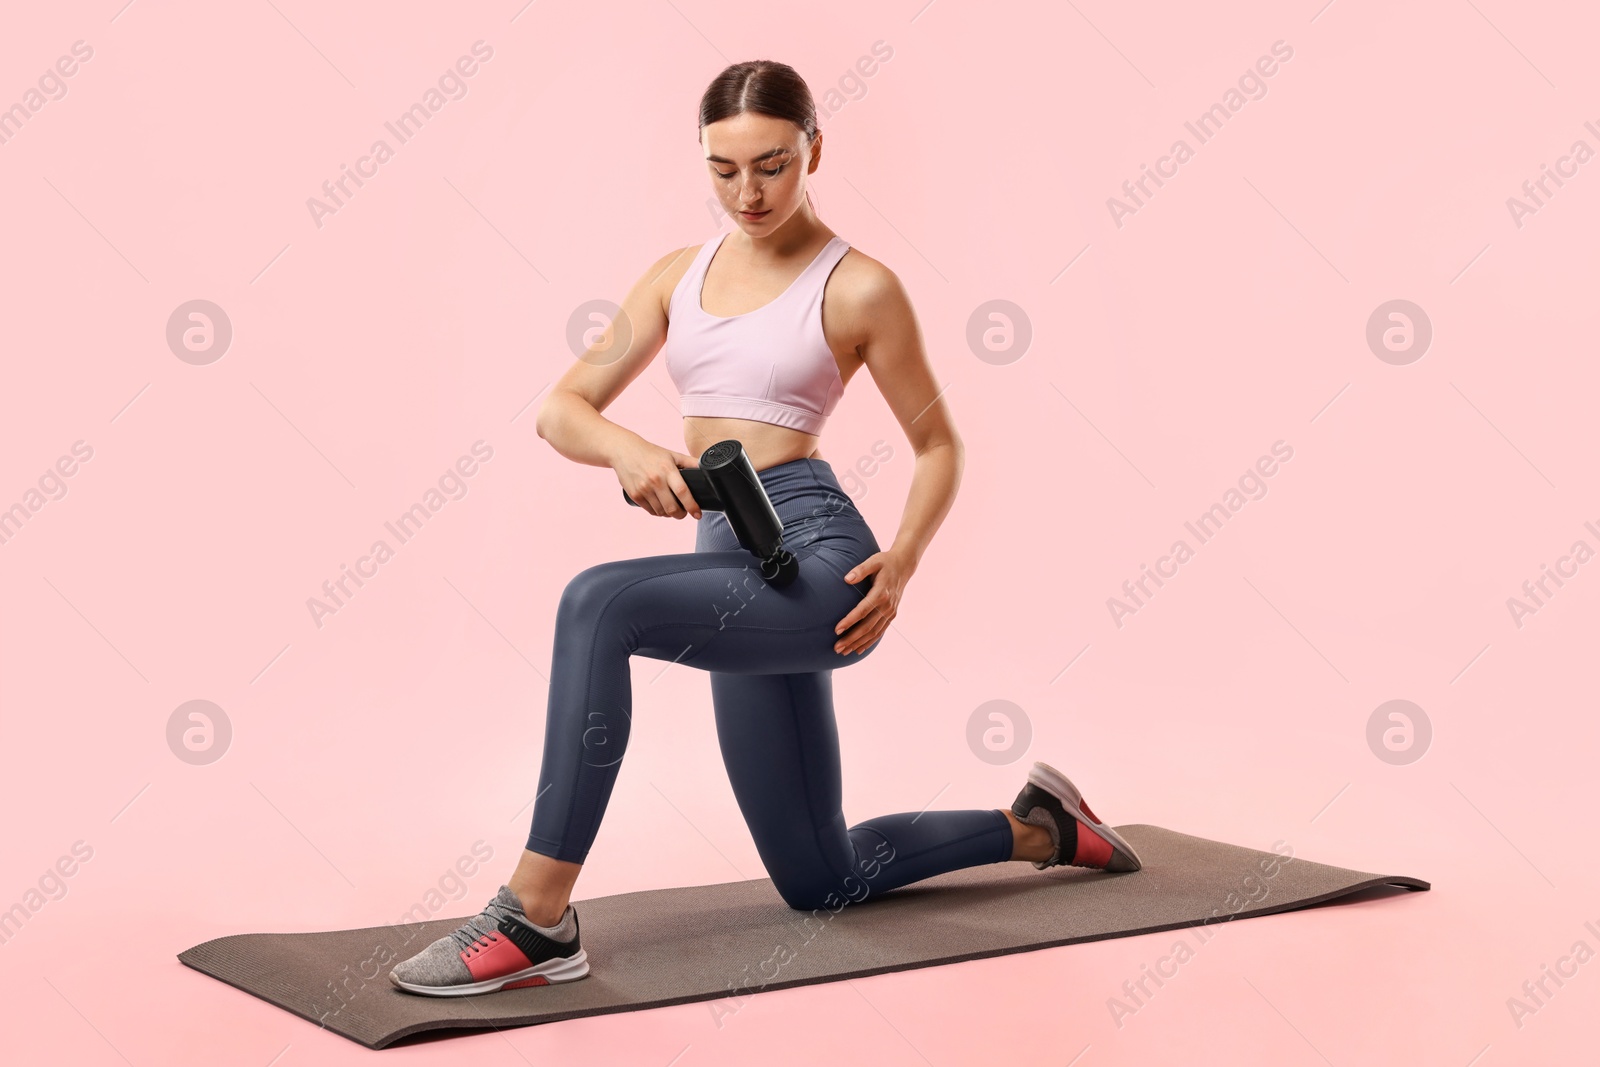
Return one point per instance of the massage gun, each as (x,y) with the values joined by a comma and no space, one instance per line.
(726,482)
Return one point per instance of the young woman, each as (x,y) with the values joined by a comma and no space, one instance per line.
(763,329)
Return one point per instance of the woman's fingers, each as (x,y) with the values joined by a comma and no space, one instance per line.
(858,642)
(657,474)
(871,565)
(870,618)
(865,633)
(843,644)
(685,499)
(858,612)
(667,504)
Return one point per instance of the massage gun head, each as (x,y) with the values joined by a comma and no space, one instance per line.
(721,454)
(780,568)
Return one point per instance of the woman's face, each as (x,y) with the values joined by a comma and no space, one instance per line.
(758,168)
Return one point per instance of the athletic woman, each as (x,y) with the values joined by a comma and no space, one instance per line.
(763,329)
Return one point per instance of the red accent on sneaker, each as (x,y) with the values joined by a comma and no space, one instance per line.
(1093,850)
(1083,806)
(537,979)
(494,957)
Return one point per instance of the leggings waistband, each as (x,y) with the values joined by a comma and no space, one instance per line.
(800,487)
(797,467)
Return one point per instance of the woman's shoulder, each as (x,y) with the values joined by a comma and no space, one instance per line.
(661,278)
(670,268)
(863,300)
(864,286)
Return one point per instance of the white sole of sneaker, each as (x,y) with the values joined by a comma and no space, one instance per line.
(1051,780)
(569,969)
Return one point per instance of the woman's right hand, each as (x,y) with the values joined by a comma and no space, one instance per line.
(649,475)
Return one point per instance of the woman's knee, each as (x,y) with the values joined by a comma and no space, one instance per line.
(819,890)
(590,590)
(804,897)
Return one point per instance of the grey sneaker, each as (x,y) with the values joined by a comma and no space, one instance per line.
(496,949)
(1080,838)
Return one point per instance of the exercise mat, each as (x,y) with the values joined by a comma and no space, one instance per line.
(724,943)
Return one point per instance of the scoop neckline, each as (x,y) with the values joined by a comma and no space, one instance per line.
(699,296)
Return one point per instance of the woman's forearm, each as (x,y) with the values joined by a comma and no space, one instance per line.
(579,432)
(933,491)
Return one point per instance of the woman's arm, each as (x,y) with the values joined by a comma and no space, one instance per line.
(570,419)
(894,355)
(893,352)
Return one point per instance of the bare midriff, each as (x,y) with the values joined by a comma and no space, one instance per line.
(766,444)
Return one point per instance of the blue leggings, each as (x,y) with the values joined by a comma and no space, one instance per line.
(770,655)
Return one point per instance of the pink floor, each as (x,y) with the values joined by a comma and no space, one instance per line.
(1359,319)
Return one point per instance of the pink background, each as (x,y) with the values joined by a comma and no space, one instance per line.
(1228,313)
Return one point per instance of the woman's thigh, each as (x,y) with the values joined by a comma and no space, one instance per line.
(780,744)
(711,610)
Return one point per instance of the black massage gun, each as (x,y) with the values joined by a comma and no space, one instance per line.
(726,482)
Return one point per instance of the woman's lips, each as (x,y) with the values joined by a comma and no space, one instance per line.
(754,215)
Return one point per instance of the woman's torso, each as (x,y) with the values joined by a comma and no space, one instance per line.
(734,286)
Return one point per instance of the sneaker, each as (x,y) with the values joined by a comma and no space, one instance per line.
(1051,801)
(499,948)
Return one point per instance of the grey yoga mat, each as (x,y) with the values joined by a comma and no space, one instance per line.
(730,941)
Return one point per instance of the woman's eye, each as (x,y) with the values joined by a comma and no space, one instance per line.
(765,173)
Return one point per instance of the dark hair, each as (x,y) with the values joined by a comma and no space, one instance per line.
(764,86)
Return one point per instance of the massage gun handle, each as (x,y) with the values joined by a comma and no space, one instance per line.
(700,487)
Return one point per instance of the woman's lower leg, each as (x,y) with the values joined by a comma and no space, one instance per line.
(544,885)
(1030,842)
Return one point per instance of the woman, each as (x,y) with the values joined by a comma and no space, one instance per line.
(759,356)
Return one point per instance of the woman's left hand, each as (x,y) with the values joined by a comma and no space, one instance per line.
(869,619)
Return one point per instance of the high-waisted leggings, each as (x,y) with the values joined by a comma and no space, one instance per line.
(770,655)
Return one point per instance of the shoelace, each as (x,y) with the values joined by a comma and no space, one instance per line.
(471,932)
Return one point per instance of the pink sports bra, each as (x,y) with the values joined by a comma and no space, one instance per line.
(772,364)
